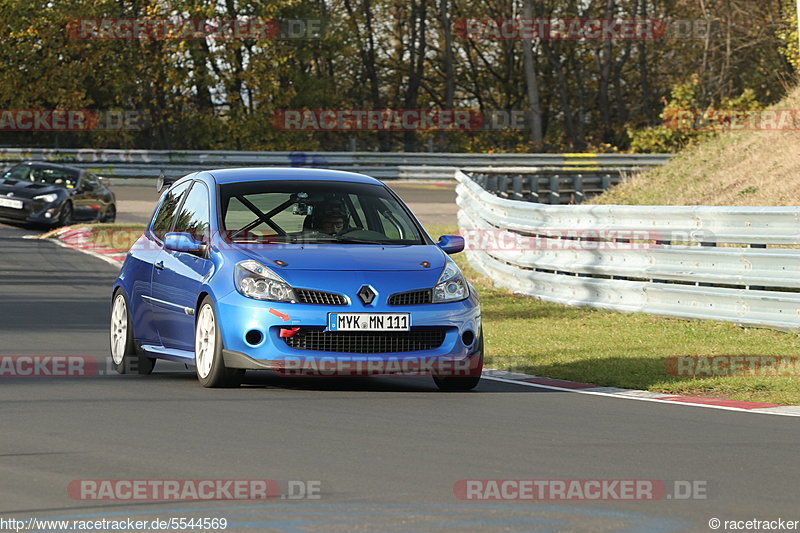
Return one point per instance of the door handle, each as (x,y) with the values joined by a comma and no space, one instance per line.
(159,265)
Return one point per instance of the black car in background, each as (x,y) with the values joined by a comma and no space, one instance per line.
(54,195)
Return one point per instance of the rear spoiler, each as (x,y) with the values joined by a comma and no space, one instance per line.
(164,182)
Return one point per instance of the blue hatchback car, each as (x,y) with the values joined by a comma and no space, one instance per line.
(297,271)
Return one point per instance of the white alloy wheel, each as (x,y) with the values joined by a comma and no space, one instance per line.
(119,329)
(126,358)
(205,342)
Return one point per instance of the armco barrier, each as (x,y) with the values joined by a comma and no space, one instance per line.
(722,263)
(382,165)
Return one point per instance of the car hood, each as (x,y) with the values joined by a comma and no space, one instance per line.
(347,257)
(28,189)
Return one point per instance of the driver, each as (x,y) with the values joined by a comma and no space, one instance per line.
(330,219)
(332,224)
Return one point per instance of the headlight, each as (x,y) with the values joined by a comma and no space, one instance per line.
(451,286)
(256,281)
(47,198)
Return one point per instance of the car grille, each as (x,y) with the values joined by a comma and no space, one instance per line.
(307,296)
(317,340)
(411,298)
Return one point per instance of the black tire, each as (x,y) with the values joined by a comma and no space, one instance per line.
(456,384)
(124,355)
(66,216)
(110,214)
(209,363)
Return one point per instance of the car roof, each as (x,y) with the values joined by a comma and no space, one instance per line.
(235,175)
(50,165)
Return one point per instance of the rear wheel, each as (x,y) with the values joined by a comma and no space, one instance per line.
(459,383)
(123,352)
(210,365)
(110,214)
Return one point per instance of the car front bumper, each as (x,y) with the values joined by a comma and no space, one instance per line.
(32,211)
(243,320)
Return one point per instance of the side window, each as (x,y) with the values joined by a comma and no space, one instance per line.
(54,176)
(169,207)
(194,215)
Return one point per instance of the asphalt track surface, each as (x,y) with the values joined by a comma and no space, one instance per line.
(386,451)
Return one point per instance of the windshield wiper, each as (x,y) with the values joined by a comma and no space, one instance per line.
(333,239)
(361,241)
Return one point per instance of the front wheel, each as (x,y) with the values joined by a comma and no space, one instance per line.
(66,217)
(211,370)
(123,352)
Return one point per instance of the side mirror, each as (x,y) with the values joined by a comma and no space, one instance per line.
(183,242)
(163,182)
(451,244)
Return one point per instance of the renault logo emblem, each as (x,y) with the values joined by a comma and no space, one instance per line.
(367,294)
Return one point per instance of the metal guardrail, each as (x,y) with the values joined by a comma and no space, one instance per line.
(382,165)
(718,263)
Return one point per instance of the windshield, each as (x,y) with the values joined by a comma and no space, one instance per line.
(51,176)
(315,212)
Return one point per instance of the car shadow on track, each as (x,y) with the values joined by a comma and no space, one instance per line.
(28,226)
(270,380)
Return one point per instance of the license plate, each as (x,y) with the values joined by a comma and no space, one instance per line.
(369,321)
(13,204)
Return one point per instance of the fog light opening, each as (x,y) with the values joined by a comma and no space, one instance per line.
(468,337)
(254,337)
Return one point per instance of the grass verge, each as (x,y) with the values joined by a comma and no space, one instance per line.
(621,350)
(746,168)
